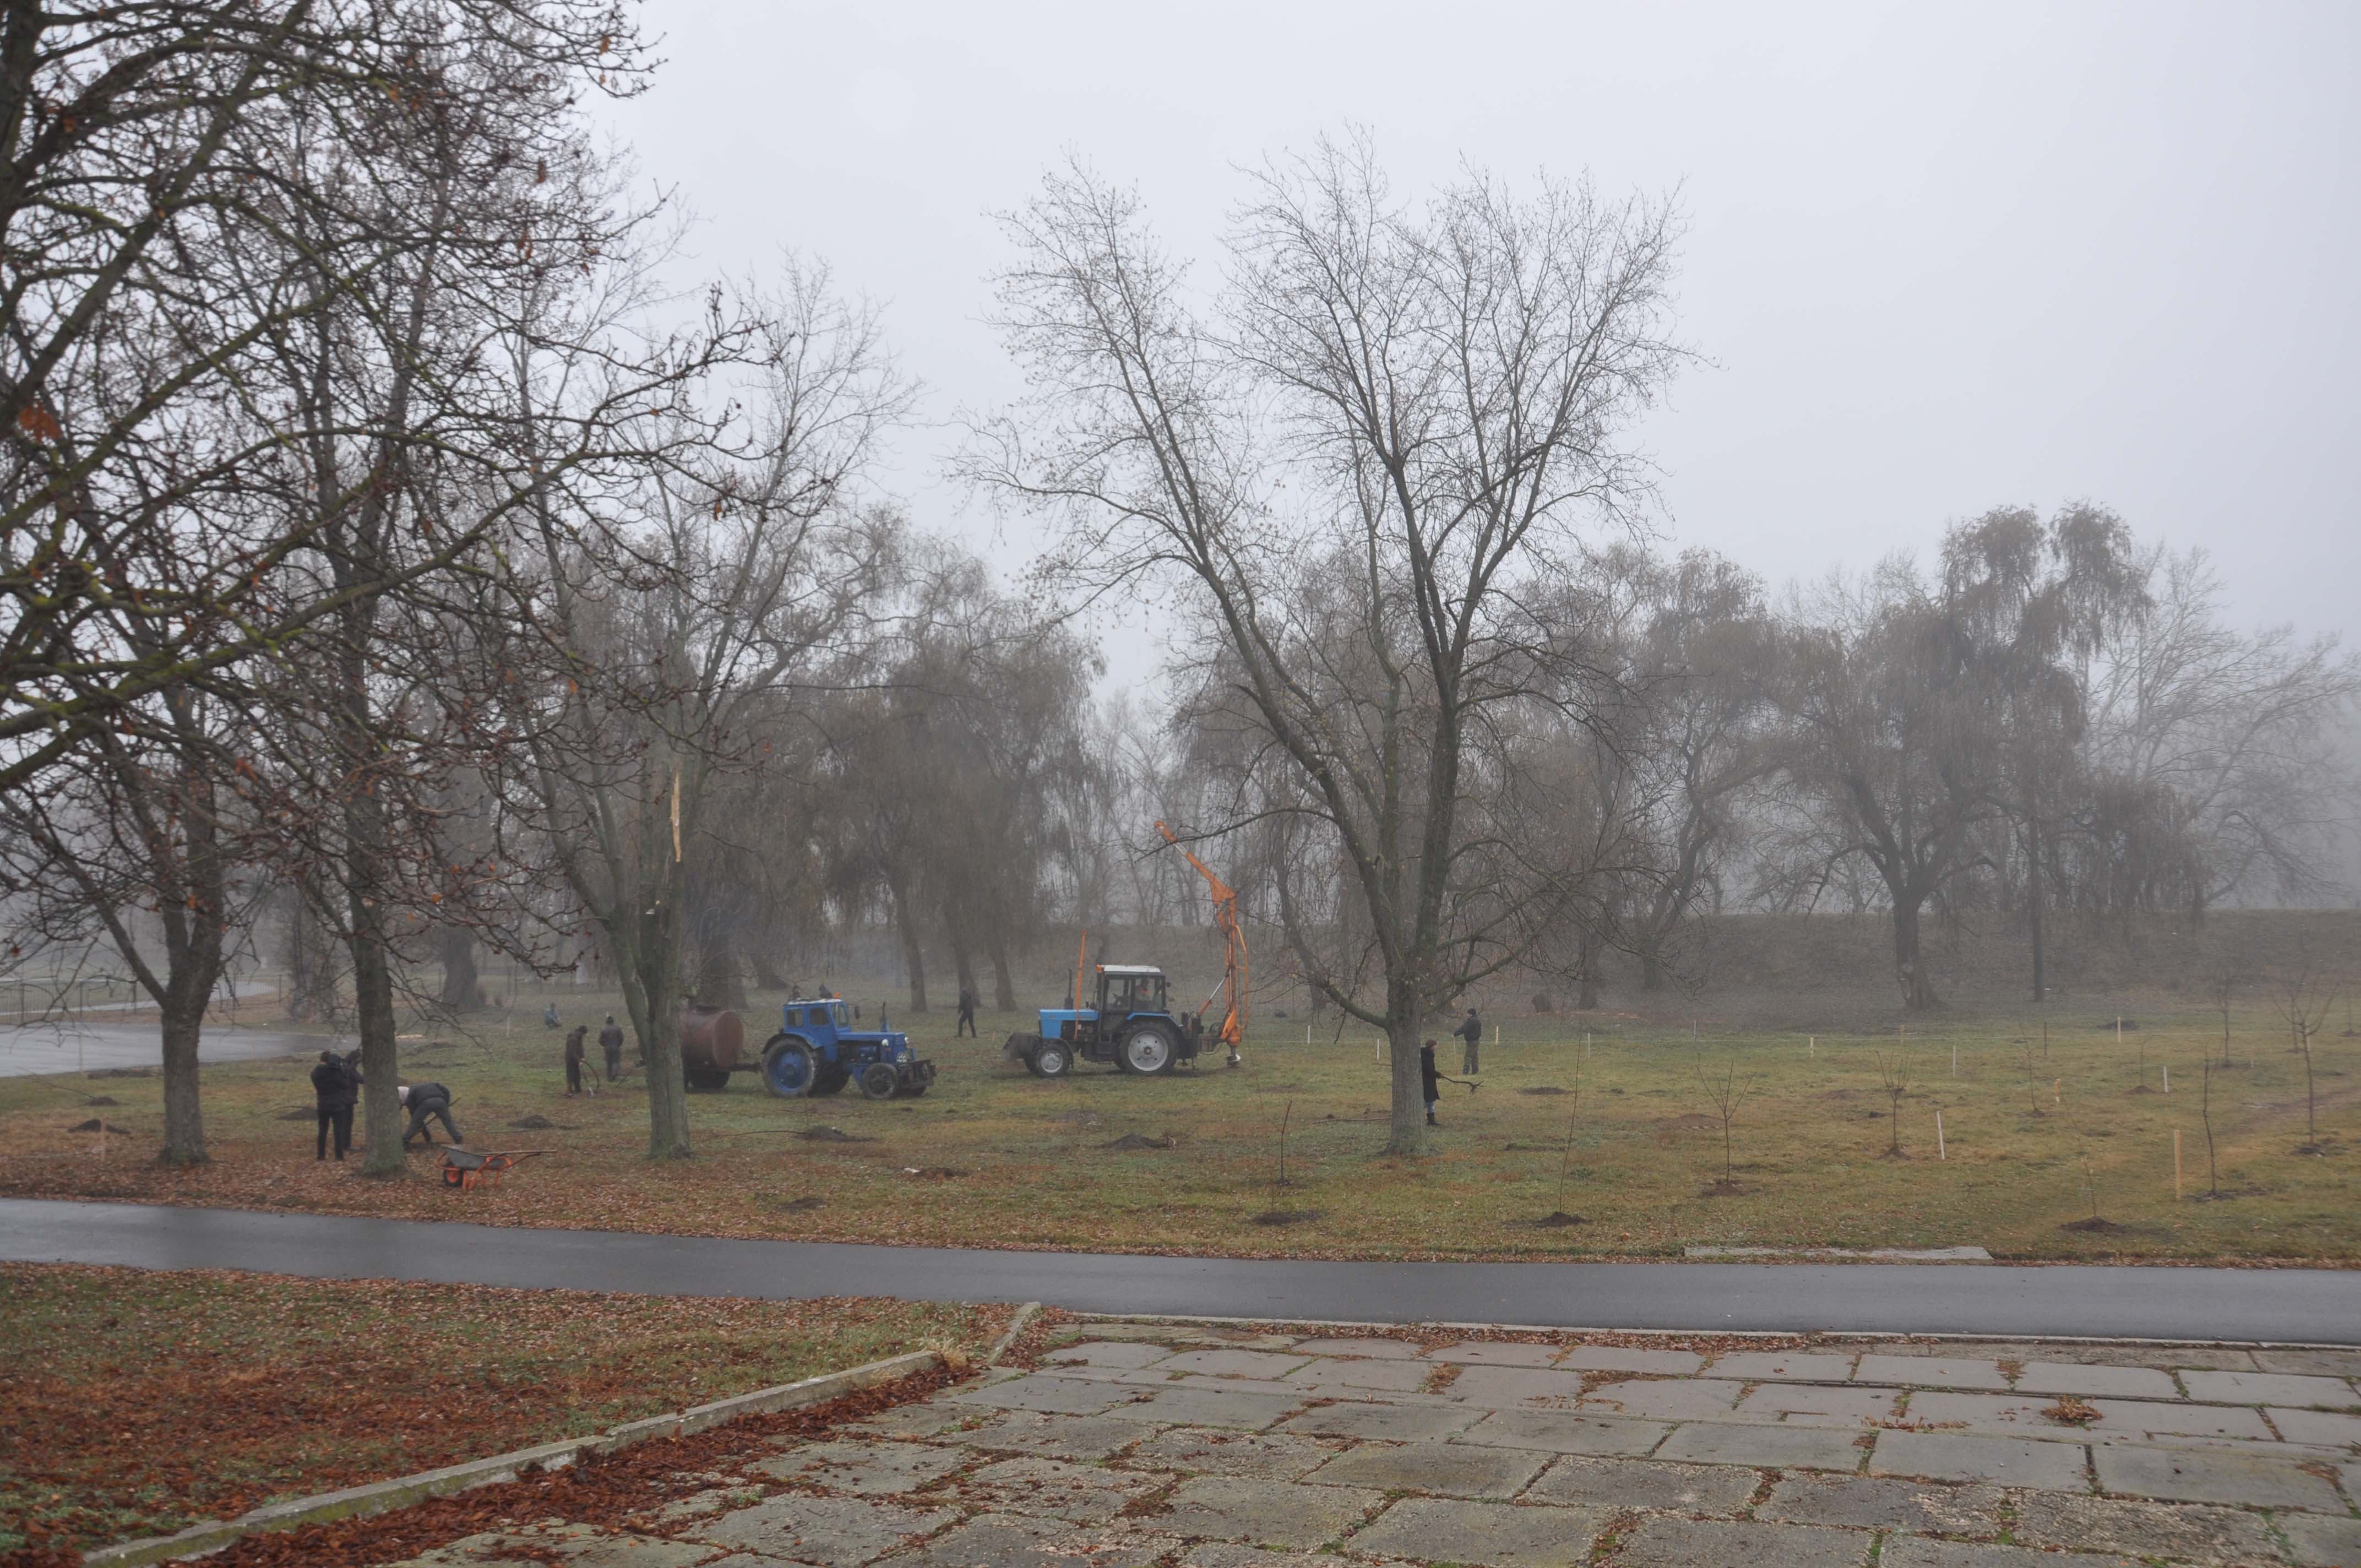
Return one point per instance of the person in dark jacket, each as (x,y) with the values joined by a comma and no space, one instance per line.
(966,1023)
(574,1058)
(333,1082)
(611,1042)
(424,1100)
(1471,1031)
(1429,1081)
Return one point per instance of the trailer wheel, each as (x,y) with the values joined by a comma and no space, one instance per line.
(787,1070)
(1050,1060)
(877,1080)
(1147,1050)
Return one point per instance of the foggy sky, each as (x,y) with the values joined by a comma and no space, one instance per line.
(1940,259)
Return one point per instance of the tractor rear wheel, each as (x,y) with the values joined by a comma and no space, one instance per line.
(1147,1050)
(788,1069)
(1050,1059)
(877,1080)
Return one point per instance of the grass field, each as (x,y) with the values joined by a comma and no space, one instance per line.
(994,1157)
(136,1404)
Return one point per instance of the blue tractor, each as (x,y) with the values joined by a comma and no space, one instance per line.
(1132,1027)
(818,1051)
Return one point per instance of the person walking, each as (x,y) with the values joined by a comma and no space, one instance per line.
(1429,1081)
(966,1023)
(424,1100)
(333,1085)
(611,1042)
(1472,1031)
(574,1058)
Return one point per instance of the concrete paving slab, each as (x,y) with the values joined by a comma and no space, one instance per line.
(1404,1376)
(1792,1366)
(1929,1371)
(1563,1431)
(1881,1502)
(1849,1406)
(1212,1407)
(1646,1484)
(1014,1541)
(2067,1522)
(1663,1542)
(930,1418)
(1447,1469)
(1678,1399)
(2345,1363)
(1395,1423)
(1958,1456)
(2002,1413)
(1086,1494)
(1916,1551)
(2097,1381)
(1770,1447)
(1480,1353)
(1374,1348)
(1268,1513)
(2181,1420)
(835,1533)
(1058,1437)
(1504,1388)
(1110,1353)
(1268,1456)
(868,1469)
(1228,1554)
(2329,1428)
(2190,1475)
(1233,1363)
(1622,1358)
(2271,1388)
(1498,1535)
(1069,1395)
(2320,1541)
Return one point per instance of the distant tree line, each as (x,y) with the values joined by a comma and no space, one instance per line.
(395,574)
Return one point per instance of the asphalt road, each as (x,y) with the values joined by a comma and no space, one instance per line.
(2299,1305)
(78,1047)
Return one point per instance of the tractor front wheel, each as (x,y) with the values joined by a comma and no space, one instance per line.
(877,1080)
(788,1068)
(1050,1059)
(1147,1050)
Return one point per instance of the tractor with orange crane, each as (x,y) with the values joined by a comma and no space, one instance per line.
(1130,1021)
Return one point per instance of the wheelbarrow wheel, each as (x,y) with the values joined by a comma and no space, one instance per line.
(877,1080)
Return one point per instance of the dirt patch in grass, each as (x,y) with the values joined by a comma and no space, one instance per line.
(135,1404)
(2094,1226)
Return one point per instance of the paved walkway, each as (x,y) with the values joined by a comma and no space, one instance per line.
(75,1046)
(1155,1446)
(2284,1306)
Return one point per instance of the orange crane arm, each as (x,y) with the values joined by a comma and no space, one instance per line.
(1233,948)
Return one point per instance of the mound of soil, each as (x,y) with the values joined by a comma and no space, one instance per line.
(95,1125)
(121,1073)
(1543,1088)
(533,1123)
(102,1100)
(827,1135)
(1135,1140)
(932,1172)
(1732,1188)
(1285,1216)
(2094,1226)
(802,1206)
(1558,1218)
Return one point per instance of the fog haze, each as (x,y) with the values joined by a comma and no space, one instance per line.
(1936,262)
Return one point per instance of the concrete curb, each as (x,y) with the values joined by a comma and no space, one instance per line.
(1016,1325)
(381,1497)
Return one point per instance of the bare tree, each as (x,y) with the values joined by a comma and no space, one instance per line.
(1894,1078)
(2304,1001)
(1726,1094)
(1401,414)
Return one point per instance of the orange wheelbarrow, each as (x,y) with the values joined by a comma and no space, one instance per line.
(466,1170)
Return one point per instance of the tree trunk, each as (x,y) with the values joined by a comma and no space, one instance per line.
(313,971)
(2033,910)
(721,979)
(1652,970)
(1407,1134)
(185,1123)
(962,958)
(656,950)
(1586,975)
(766,967)
(1909,968)
(905,925)
(1004,984)
(455,946)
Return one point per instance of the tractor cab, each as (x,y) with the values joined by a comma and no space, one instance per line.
(1129,1022)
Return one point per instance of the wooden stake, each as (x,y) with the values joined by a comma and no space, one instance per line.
(2057,1091)
(1955,1059)
(2167,1083)
(1940,1153)
(1811,1047)
(2175,1165)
